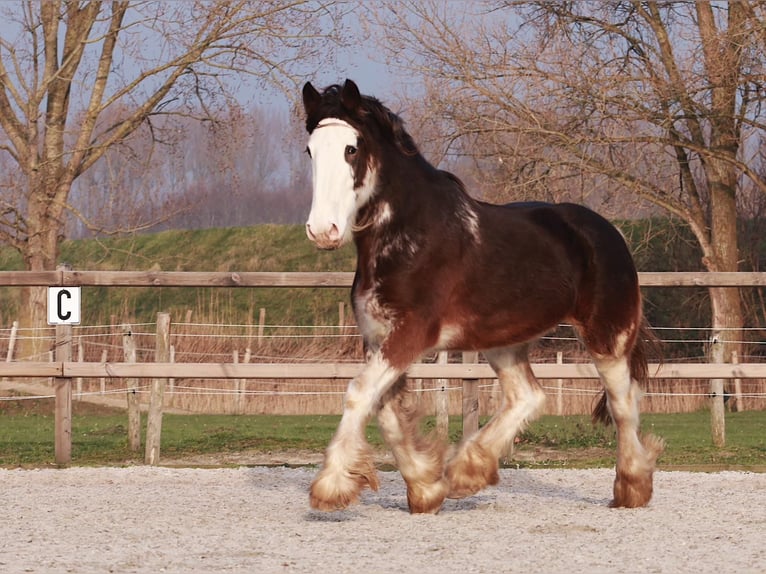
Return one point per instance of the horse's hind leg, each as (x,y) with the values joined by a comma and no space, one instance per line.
(420,459)
(636,457)
(475,465)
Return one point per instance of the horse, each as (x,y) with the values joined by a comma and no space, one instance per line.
(439,270)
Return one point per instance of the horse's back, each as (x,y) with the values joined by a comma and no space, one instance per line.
(584,230)
(566,257)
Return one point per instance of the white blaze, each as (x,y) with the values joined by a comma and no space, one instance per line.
(334,202)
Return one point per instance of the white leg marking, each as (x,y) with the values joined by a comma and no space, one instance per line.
(348,466)
(623,397)
(362,396)
(476,462)
(522,397)
(636,456)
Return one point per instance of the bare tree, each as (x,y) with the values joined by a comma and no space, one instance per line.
(238,172)
(128,189)
(69,65)
(656,100)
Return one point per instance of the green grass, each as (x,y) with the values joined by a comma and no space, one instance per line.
(573,441)
(102,439)
(99,437)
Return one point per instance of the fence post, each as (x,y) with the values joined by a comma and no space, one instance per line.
(341,316)
(442,399)
(63,405)
(11,344)
(261,325)
(243,384)
(738,404)
(559,386)
(78,380)
(717,409)
(172,380)
(134,403)
(102,381)
(237,386)
(417,389)
(470,397)
(154,419)
(12,341)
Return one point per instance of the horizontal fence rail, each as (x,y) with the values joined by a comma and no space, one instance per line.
(350,370)
(71,278)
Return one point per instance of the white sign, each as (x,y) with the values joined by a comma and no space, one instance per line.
(63,305)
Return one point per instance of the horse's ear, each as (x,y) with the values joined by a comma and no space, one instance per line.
(311,98)
(350,98)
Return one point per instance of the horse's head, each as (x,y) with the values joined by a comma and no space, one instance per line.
(343,168)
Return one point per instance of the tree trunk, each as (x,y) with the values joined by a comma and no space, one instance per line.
(722,55)
(41,254)
(726,307)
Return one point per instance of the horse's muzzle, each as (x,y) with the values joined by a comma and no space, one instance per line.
(328,240)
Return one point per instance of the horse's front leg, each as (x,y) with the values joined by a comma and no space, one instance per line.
(420,459)
(348,465)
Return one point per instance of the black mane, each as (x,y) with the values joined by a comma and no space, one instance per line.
(370,117)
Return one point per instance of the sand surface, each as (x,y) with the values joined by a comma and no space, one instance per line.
(158,519)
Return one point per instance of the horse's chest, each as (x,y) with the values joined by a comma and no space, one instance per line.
(375,320)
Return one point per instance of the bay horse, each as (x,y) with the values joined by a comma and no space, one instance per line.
(437,269)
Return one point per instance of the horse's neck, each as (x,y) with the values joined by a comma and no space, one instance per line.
(404,217)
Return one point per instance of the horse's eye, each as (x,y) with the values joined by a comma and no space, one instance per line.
(350,151)
(308,151)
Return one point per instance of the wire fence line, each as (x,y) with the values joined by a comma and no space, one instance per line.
(208,391)
(102,335)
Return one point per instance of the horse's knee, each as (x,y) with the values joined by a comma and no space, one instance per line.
(470,470)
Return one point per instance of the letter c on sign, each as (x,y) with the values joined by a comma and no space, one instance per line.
(60,305)
(64,305)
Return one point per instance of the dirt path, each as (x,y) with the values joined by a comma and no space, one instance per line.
(150,519)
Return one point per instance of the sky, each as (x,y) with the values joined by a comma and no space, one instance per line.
(362,61)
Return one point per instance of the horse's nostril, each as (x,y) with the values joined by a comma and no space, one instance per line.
(334,232)
(310,233)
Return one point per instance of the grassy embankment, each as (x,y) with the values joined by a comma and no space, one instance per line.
(658,245)
(260,248)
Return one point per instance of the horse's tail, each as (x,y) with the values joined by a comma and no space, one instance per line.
(646,343)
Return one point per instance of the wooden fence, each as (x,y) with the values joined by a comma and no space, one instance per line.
(63,369)
(73,278)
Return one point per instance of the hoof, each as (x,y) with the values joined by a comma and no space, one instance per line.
(331,492)
(633,489)
(472,469)
(427,499)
